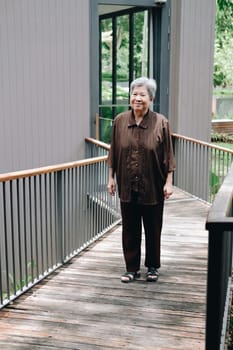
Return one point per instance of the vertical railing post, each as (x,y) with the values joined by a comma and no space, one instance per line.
(59,236)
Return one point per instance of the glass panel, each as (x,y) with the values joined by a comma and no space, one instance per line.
(140,44)
(106,61)
(122,60)
(105,113)
(105,123)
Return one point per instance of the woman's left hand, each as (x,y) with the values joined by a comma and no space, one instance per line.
(167,190)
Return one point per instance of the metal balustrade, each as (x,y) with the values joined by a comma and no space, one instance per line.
(47,216)
(200,166)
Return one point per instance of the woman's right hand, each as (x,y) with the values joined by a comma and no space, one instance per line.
(111,186)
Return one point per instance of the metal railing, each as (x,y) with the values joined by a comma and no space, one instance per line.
(47,216)
(200,166)
(220,226)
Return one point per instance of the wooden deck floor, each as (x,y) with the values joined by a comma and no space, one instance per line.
(84,306)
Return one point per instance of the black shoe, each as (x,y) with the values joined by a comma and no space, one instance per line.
(152,274)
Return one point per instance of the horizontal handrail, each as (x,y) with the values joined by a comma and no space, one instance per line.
(202,143)
(175,135)
(98,143)
(178,136)
(49,169)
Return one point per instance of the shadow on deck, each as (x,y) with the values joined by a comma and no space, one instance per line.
(84,306)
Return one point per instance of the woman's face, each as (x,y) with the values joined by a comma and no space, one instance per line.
(140,100)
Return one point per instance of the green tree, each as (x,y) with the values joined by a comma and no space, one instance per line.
(224,23)
(140,44)
(223,66)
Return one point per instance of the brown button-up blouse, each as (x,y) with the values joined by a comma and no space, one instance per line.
(141,156)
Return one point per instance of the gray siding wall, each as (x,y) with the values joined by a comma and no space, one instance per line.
(191,67)
(44,82)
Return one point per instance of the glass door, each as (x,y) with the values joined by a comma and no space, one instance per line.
(124,53)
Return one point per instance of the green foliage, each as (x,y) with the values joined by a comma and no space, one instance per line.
(105,130)
(223,92)
(214,183)
(107,115)
(140,46)
(223,66)
(224,23)
(223,63)
(19,285)
(225,139)
(107,76)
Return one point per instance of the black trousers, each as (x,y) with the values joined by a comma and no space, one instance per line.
(133,214)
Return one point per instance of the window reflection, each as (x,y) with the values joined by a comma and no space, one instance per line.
(124,56)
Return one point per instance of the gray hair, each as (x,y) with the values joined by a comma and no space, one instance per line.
(150,85)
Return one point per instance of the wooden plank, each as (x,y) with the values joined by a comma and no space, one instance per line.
(84,305)
(222,126)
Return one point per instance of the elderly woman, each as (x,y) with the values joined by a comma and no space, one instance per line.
(141,157)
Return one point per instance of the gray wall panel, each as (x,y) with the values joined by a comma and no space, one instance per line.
(44,82)
(192,45)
